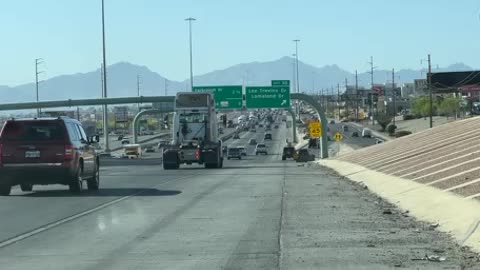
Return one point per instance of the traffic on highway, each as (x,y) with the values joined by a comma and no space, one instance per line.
(246,135)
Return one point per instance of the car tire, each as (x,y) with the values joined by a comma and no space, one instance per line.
(94,182)
(76,183)
(284,158)
(5,189)
(26,187)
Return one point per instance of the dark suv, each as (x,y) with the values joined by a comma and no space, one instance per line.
(47,151)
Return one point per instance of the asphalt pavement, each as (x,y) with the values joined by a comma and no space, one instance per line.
(256,213)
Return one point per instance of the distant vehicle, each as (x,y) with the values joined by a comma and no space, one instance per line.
(150,149)
(355,134)
(234,152)
(288,152)
(230,124)
(302,155)
(125,141)
(162,143)
(276,126)
(252,142)
(236,136)
(268,136)
(366,133)
(284,118)
(242,150)
(253,130)
(332,122)
(148,132)
(220,131)
(194,132)
(132,151)
(44,151)
(260,125)
(345,128)
(261,149)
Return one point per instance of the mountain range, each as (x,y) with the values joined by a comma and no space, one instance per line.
(122,80)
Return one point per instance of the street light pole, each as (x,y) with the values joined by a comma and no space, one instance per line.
(191,52)
(105,110)
(296,67)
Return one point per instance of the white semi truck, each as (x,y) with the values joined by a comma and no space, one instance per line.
(195,133)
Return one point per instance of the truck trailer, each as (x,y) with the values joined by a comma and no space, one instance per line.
(195,133)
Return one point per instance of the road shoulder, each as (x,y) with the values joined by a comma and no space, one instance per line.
(334,223)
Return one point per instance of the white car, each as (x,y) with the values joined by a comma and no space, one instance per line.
(261,149)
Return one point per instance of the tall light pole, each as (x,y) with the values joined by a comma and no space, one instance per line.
(296,63)
(38,61)
(105,111)
(190,20)
(138,89)
(296,67)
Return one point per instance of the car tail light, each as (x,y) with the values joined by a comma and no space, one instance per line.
(68,152)
(197,155)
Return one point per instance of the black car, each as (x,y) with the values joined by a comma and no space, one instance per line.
(288,152)
(236,136)
(267,136)
(234,152)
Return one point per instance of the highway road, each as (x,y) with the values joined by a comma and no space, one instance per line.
(255,213)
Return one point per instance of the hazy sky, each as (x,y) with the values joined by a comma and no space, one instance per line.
(67,34)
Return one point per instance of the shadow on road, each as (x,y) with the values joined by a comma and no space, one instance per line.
(106,192)
(111,162)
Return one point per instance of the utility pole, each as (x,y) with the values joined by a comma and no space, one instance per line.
(356,94)
(105,110)
(372,110)
(346,98)
(338,100)
(190,20)
(430,89)
(394,96)
(38,61)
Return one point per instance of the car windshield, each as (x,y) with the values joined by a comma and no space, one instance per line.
(33,131)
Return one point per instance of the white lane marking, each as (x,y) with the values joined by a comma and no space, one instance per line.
(70,218)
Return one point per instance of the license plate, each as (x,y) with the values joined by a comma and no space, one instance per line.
(32,154)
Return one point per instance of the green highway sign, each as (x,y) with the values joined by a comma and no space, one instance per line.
(281,83)
(226,97)
(267,97)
